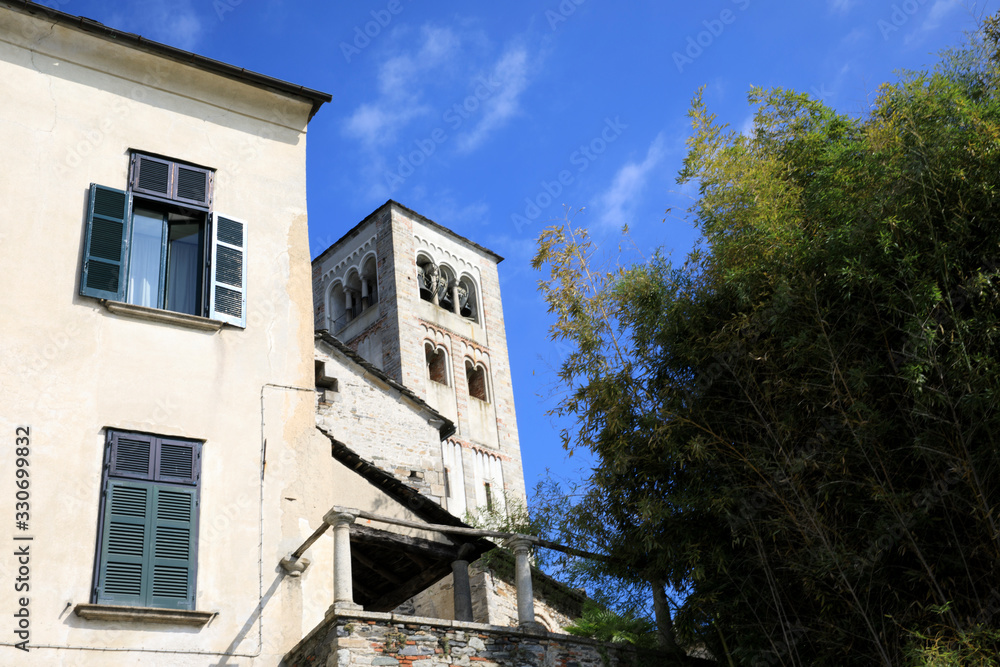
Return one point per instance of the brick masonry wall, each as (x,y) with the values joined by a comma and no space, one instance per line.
(353,639)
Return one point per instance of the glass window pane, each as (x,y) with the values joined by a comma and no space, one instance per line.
(144,258)
(182,266)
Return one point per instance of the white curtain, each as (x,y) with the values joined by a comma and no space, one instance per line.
(182,281)
(144,260)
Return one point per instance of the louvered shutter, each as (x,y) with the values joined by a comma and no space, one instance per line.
(169,180)
(105,244)
(227,298)
(177,462)
(125,544)
(192,185)
(132,455)
(172,561)
(152,176)
(148,543)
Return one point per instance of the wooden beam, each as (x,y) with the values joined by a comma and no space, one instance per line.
(374,567)
(394,598)
(403,543)
(360,587)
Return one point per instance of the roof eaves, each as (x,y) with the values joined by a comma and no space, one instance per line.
(172,53)
(422,506)
(409,211)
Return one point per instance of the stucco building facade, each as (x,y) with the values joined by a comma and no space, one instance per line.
(178,429)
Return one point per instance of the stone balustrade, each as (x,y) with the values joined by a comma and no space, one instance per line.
(353,638)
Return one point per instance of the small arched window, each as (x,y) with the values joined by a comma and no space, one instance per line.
(468,302)
(427,278)
(352,295)
(369,283)
(437,363)
(446,288)
(475,376)
(335,308)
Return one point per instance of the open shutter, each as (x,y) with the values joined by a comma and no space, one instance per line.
(173,554)
(227,298)
(106,244)
(123,576)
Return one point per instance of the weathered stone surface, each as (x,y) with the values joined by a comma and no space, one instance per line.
(439,644)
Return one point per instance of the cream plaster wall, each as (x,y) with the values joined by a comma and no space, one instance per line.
(72,105)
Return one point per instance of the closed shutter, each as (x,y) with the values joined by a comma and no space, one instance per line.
(132,455)
(105,244)
(169,180)
(227,298)
(177,461)
(152,176)
(172,560)
(149,530)
(125,544)
(192,185)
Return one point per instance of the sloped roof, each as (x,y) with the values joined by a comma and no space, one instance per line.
(392,568)
(447,428)
(423,219)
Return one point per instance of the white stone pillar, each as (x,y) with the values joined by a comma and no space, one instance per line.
(454,299)
(341,519)
(520,545)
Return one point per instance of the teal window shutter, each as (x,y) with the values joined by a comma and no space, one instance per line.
(228,296)
(122,576)
(172,562)
(149,530)
(105,244)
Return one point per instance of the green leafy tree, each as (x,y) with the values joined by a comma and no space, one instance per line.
(797,428)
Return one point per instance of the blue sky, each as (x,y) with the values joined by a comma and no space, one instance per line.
(490,117)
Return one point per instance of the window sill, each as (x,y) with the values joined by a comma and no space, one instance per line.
(105,612)
(162,316)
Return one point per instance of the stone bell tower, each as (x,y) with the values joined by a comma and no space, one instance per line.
(422,304)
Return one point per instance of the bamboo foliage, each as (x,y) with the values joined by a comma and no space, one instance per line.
(797,427)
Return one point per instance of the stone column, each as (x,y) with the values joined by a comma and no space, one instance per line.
(456,308)
(520,545)
(462,587)
(341,519)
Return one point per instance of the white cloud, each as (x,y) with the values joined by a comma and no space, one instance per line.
(508,80)
(940,9)
(842,6)
(618,201)
(172,22)
(935,16)
(401,80)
